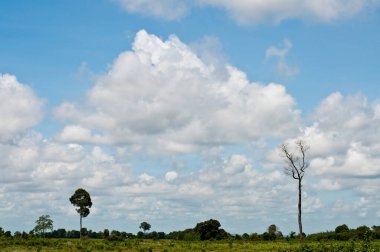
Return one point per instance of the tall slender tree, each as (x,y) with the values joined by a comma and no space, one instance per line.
(81,199)
(296,166)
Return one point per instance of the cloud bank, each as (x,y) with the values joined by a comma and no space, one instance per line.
(253,12)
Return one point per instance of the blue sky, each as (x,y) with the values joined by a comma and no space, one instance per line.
(171,112)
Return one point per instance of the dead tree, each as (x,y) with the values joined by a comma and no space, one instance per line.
(296,166)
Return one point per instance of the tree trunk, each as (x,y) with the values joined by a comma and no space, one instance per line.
(299,210)
(80,230)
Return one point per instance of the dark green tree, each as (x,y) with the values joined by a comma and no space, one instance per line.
(60,233)
(362,231)
(296,167)
(342,228)
(42,224)
(106,233)
(81,199)
(272,228)
(145,226)
(210,230)
(376,232)
(255,237)
(292,235)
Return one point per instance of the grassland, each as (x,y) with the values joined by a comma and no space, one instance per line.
(137,245)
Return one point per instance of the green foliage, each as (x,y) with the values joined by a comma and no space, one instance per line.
(272,228)
(145,226)
(2,232)
(255,237)
(208,230)
(81,199)
(376,232)
(342,229)
(135,245)
(42,224)
(268,236)
(362,232)
(106,233)
(292,235)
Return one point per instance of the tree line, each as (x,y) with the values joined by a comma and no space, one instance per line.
(206,230)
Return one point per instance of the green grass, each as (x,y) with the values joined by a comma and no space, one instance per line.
(136,245)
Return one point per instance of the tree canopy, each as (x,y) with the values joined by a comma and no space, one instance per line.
(145,226)
(42,224)
(210,230)
(81,199)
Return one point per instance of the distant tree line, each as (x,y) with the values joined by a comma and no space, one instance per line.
(343,233)
(207,230)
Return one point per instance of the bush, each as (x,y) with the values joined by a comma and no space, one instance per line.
(342,229)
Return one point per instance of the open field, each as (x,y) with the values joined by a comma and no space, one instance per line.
(132,245)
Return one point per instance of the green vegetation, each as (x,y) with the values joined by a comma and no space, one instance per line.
(145,245)
(145,226)
(205,236)
(42,224)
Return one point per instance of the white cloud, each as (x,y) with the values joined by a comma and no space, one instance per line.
(170,176)
(328,185)
(20,109)
(276,11)
(344,138)
(146,179)
(46,174)
(162,93)
(253,12)
(283,68)
(236,164)
(165,9)
(344,155)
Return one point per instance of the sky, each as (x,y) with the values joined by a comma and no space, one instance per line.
(172,112)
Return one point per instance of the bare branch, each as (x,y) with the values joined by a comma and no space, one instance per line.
(296,166)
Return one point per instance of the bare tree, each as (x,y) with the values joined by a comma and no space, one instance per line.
(296,166)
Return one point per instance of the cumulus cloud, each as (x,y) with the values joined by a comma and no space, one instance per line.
(344,153)
(163,92)
(20,108)
(41,174)
(254,12)
(282,67)
(343,137)
(347,127)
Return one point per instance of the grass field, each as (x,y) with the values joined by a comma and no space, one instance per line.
(71,245)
